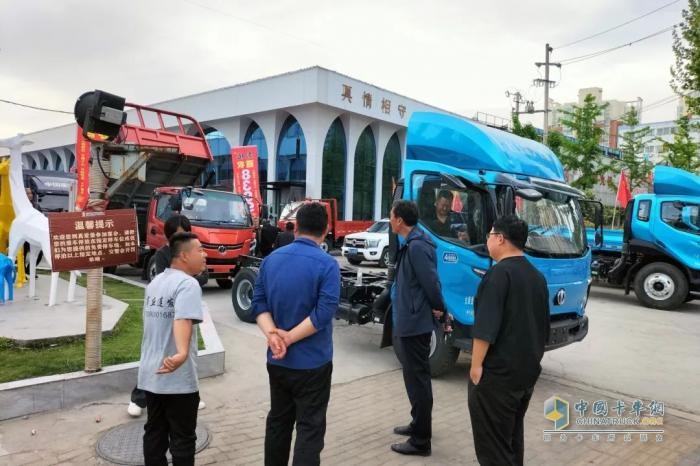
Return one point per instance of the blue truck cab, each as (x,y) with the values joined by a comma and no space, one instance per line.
(658,254)
(481,174)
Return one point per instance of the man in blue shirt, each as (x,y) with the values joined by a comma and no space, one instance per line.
(295,300)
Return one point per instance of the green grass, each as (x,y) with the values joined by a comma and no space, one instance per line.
(123,345)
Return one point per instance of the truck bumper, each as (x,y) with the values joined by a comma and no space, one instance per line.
(566,331)
(361,253)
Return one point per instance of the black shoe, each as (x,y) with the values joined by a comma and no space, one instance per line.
(403,430)
(407,448)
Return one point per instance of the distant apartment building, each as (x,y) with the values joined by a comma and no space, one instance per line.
(608,121)
(661,131)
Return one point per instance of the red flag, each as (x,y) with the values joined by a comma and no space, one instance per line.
(244,161)
(623,190)
(82,169)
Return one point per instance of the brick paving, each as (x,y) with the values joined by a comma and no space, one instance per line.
(361,416)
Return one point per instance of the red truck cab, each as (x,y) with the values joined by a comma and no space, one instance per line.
(221,220)
(337,230)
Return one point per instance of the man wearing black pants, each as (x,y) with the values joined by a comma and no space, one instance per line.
(172,307)
(511,327)
(295,300)
(417,300)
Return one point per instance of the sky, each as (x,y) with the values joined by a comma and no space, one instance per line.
(458,55)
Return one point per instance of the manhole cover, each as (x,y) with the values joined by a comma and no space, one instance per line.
(123,444)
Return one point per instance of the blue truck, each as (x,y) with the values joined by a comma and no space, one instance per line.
(658,251)
(485,173)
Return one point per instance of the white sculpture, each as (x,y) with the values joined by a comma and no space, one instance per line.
(29,225)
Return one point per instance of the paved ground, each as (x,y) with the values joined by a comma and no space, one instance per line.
(631,352)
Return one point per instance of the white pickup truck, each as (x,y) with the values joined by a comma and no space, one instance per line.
(370,245)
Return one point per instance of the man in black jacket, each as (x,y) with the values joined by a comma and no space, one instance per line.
(416,301)
(286,237)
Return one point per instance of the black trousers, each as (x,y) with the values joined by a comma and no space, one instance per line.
(497,413)
(301,397)
(138,397)
(171,423)
(413,353)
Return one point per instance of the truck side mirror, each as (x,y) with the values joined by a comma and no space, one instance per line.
(689,217)
(529,194)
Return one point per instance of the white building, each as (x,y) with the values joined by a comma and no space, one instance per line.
(613,112)
(661,131)
(319,134)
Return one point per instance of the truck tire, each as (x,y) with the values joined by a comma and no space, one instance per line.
(660,285)
(151,269)
(327,245)
(224,283)
(242,294)
(354,261)
(384,258)
(443,355)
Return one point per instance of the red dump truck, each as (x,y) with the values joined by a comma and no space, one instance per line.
(338,229)
(151,164)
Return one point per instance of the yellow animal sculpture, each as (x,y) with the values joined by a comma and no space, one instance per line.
(7,214)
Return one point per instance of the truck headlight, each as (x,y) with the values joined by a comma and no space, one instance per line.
(372,243)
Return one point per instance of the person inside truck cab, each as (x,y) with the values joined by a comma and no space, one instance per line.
(439,222)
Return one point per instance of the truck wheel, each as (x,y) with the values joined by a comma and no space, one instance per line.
(384,258)
(443,355)
(224,283)
(327,245)
(354,261)
(151,269)
(661,286)
(242,295)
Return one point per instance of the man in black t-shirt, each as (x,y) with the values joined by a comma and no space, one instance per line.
(511,327)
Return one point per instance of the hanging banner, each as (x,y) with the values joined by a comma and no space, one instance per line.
(246,182)
(82,170)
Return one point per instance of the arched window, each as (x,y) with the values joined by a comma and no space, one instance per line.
(221,165)
(391,170)
(365,165)
(334,151)
(255,137)
(291,152)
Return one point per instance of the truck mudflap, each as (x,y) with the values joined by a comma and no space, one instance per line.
(566,331)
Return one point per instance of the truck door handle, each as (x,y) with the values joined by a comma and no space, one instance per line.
(153,230)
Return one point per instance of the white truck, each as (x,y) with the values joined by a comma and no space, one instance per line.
(370,245)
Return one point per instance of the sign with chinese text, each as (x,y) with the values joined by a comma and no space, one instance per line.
(89,240)
(82,169)
(246,181)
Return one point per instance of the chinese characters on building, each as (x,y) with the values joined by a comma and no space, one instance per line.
(85,240)
(385,104)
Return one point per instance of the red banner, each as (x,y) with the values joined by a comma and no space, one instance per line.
(623,190)
(82,169)
(246,182)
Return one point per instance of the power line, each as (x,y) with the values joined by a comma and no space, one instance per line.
(44,109)
(588,56)
(618,26)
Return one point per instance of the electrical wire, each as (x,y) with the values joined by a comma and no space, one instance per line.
(34,107)
(588,56)
(618,26)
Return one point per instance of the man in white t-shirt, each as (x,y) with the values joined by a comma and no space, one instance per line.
(168,370)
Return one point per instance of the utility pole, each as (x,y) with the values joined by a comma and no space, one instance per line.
(547,84)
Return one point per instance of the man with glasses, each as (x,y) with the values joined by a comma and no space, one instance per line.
(511,327)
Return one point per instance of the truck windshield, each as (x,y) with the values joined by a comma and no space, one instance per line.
(53,202)
(216,207)
(555,225)
(289,211)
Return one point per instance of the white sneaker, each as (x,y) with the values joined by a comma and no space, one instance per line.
(202,405)
(134,410)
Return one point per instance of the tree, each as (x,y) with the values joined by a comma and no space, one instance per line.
(685,74)
(528,131)
(633,161)
(683,151)
(581,155)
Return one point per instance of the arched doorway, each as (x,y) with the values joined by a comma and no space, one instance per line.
(365,166)
(334,155)
(391,171)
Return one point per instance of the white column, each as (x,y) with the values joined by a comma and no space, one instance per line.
(382,134)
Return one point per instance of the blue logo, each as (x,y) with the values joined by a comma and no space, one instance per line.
(557,410)
(450,257)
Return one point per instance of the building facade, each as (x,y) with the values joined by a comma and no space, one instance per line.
(319,134)
(660,132)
